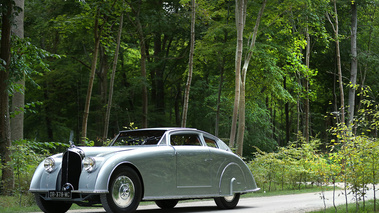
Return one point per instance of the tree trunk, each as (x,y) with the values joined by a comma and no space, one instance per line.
(18,99)
(7,180)
(241,111)
(354,62)
(97,35)
(143,74)
(109,105)
(336,37)
(286,112)
(240,24)
(306,105)
(102,75)
(190,66)
(217,123)
(339,65)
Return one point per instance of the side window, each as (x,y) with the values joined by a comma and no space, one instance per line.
(210,142)
(185,140)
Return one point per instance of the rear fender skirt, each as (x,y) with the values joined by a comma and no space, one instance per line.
(232,180)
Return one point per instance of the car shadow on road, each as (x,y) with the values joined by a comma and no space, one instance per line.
(189,209)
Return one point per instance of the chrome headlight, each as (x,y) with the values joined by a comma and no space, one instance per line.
(89,164)
(49,164)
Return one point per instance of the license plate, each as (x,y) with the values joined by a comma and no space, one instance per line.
(59,194)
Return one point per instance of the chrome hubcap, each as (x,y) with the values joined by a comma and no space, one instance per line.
(123,191)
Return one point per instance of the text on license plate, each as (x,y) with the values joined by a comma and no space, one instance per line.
(58,194)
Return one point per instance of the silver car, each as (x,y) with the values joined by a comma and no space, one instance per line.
(164,165)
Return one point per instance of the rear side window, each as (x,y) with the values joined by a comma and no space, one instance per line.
(185,140)
(210,142)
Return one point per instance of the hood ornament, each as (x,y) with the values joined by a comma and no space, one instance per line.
(72,139)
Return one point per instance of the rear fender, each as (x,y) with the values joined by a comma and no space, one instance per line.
(232,180)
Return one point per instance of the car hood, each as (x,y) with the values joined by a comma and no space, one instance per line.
(104,151)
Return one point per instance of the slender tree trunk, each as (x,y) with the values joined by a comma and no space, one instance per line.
(102,76)
(336,35)
(286,112)
(354,62)
(144,84)
(222,68)
(18,99)
(240,24)
(7,179)
(110,96)
(190,66)
(97,35)
(241,111)
(306,105)
(339,65)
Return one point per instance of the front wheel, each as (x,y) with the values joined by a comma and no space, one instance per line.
(228,202)
(52,206)
(125,191)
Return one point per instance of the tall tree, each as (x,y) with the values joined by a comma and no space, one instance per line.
(240,15)
(111,85)
(190,65)
(306,105)
(97,36)
(18,99)
(242,104)
(354,62)
(335,26)
(7,180)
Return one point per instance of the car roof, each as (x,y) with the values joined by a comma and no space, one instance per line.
(160,129)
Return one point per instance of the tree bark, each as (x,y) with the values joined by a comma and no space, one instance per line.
(241,118)
(286,112)
(306,105)
(7,180)
(110,96)
(354,62)
(18,99)
(240,24)
(190,66)
(338,55)
(339,66)
(217,123)
(97,35)
(144,76)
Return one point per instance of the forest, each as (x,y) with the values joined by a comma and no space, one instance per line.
(261,74)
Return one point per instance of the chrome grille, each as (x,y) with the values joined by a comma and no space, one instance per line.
(71,169)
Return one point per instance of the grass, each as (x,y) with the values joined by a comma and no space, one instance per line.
(18,204)
(367,208)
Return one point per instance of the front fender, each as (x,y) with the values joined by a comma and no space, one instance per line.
(105,173)
(42,181)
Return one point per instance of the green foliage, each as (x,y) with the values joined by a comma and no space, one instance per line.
(290,166)
(25,157)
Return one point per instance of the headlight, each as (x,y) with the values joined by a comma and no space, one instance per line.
(49,164)
(89,164)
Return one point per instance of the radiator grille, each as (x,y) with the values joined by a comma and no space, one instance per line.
(71,169)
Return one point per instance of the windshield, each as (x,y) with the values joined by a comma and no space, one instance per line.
(138,137)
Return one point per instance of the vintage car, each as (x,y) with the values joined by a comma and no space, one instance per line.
(164,165)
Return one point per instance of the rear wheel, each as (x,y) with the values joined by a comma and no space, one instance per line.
(125,191)
(52,206)
(228,202)
(166,204)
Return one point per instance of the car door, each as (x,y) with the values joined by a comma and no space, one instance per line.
(193,161)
